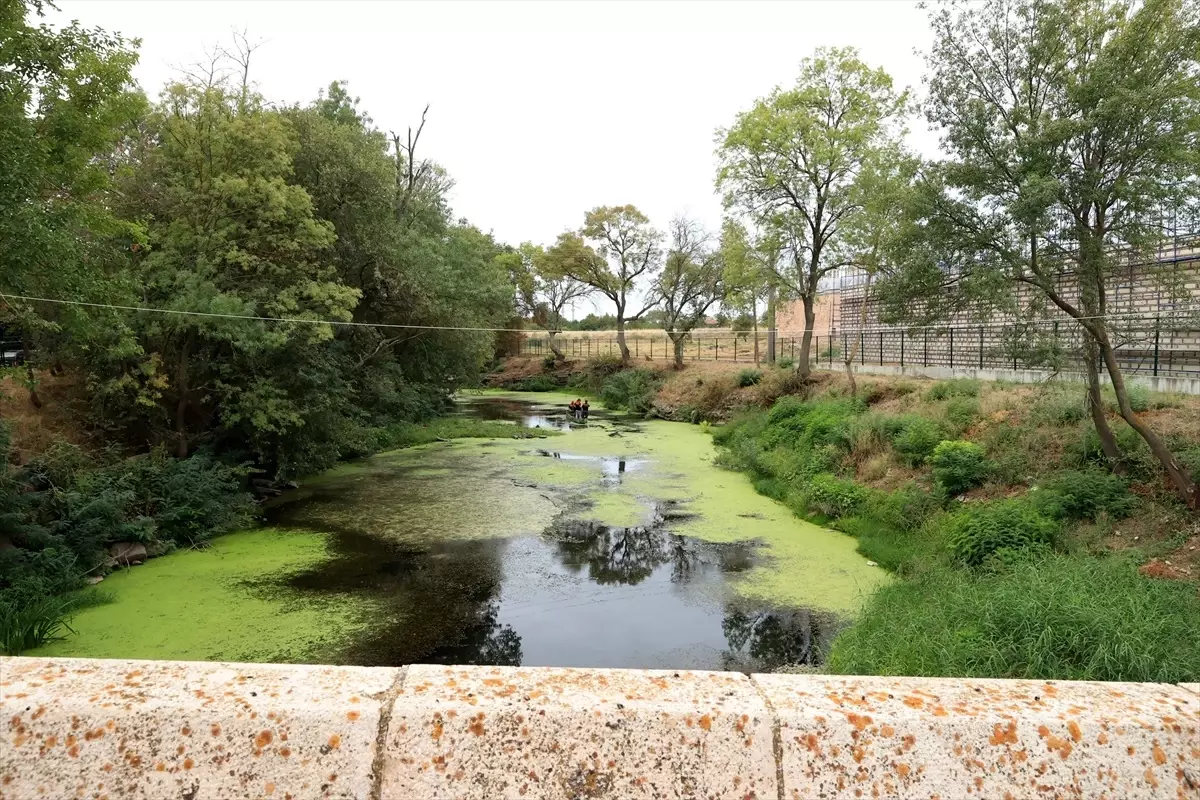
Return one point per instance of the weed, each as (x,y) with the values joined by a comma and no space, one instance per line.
(957,387)
(834,497)
(1085,495)
(916,438)
(749,377)
(1053,616)
(632,390)
(977,533)
(959,466)
(961,412)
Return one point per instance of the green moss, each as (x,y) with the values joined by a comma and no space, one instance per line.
(223,603)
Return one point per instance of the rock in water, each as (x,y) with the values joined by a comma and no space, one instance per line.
(127,553)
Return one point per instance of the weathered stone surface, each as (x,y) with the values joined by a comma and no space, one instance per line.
(144,729)
(915,737)
(564,733)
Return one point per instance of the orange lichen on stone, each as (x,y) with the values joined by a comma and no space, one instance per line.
(706,722)
(188,763)
(263,739)
(887,731)
(1004,735)
(1073,729)
(476,726)
(914,702)
(903,769)
(1160,757)
(352,715)
(335,742)
(859,721)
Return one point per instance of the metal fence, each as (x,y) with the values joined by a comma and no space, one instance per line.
(1143,346)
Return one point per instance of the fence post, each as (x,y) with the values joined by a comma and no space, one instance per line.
(793,349)
(902,348)
(926,361)
(635,347)
(735,349)
(981,347)
(1156,333)
(697,349)
(951,347)
(881,348)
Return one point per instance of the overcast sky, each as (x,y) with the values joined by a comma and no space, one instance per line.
(539,110)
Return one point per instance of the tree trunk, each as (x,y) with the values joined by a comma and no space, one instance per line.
(771,326)
(1179,477)
(30,379)
(804,366)
(853,351)
(754,320)
(1095,403)
(558,354)
(678,343)
(621,338)
(181,384)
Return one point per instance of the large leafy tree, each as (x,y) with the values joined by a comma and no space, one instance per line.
(66,102)
(749,275)
(791,162)
(544,290)
(630,255)
(1068,125)
(692,282)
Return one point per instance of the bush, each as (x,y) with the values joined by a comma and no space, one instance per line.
(805,425)
(549,363)
(785,363)
(977,533)
(32,624)
(958,387)
(1053,617)
(1084,495)
(961,412)
(632,390)
(915,438)
(749,377)
(834,497)
(1136,457)
(537,383)
(959,466)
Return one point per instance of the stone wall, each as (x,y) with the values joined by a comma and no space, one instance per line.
(1155,310)
(117,729)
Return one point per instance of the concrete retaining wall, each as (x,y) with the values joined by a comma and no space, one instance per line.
(1160,383)
(142,729)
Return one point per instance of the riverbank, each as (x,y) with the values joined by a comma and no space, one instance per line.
(1018,553)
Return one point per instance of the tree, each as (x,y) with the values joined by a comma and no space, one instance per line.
(691,282)
(875,236)
(627,252)
(1068,125)
(790,164)
(67,100)
(750,275)
(546,289)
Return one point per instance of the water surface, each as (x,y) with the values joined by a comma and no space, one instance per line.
(615,543)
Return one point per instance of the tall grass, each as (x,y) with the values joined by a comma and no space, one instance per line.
(32,624)
(1055,616)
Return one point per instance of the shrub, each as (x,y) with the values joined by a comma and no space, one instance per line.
(1084,495)
(916,439)
(958,387)
(32,624)
(537,383)
(749,377)
(1054,617)
(785,363)
(1013,524)
(959,466)
(834,497)
(806,425)
(632,390)
(549,363)
(961,412)
(1136,457)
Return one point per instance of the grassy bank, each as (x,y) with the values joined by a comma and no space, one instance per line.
(1020,553)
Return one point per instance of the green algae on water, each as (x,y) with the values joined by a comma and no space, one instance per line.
(227,602)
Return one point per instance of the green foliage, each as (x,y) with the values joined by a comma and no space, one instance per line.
(961,412)
(408,434)
(915,437)
(1085,495)
(784,363)
(631,390)
(957,387)
(959,466)
(1049,617)
(749,377)
(33,624)
(1136,458)
(834,497)
(537,383)
(804,425)
(977,533)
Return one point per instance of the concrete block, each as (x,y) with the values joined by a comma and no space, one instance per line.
(146,729)
(497,732)
(847,737)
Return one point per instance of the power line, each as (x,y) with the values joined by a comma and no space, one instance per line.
(633,332)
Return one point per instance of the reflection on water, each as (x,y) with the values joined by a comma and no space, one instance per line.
(575,592)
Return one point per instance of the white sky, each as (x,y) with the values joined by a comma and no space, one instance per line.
(539,110)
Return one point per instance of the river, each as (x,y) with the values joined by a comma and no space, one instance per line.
(617,543)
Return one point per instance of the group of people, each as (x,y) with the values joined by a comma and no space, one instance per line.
(578,409)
